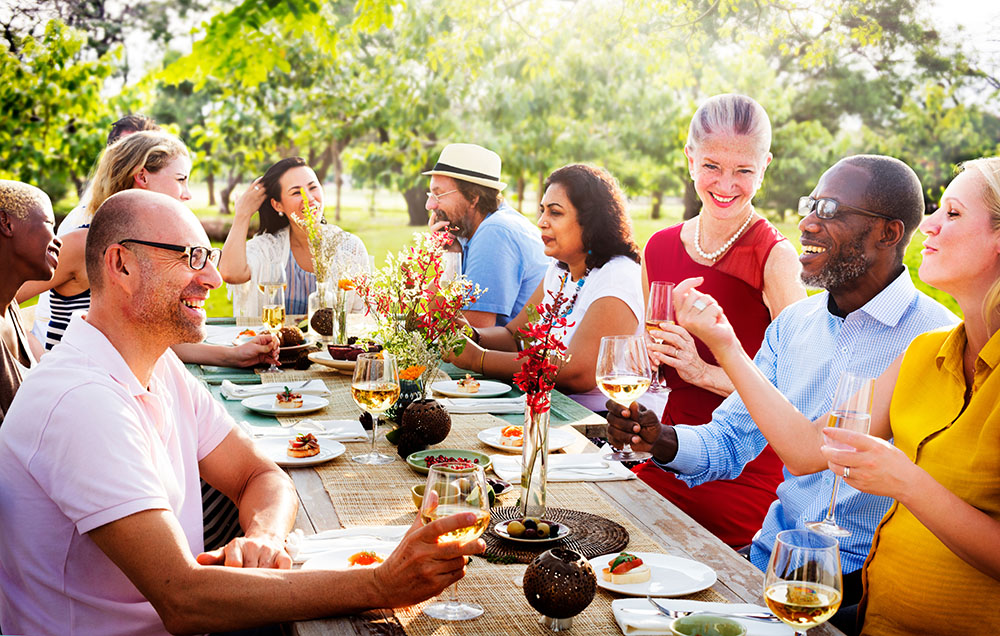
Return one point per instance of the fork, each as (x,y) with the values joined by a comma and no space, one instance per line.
(757,616)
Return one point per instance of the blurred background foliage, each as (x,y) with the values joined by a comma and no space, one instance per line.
(369,91)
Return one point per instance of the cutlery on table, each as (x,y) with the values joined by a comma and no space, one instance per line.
(756,616)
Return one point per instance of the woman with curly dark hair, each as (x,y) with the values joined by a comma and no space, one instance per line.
(588,234)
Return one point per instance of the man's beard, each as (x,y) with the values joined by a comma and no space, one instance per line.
(842,267)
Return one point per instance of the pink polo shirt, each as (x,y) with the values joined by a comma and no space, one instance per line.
(84,444)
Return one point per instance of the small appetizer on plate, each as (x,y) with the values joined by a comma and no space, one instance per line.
(365,558)
(468,384)
(625,569)
(288,400)
(512,435)
(304,445)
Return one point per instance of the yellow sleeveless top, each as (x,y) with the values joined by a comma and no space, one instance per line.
(913,583)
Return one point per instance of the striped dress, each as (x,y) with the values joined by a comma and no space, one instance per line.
(61,309)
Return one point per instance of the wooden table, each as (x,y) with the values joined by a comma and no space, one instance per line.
(674,532)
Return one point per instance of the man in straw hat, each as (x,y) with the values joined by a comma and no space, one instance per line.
(501,250)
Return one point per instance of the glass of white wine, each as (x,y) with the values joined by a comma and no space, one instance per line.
(852,409)
(803,585)
(375,387)
(468,483)
(271,282)
(623,374)
(659,309)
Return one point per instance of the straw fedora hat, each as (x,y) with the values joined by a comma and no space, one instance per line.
(471,163)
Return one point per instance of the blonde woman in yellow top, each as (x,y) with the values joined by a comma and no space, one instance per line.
(934,567)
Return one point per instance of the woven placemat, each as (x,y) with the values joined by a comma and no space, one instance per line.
(590,535)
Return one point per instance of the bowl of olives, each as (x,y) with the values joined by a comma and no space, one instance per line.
(531,530)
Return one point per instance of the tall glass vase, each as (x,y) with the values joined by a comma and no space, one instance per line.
(322,315)
(534,460)
(340,311)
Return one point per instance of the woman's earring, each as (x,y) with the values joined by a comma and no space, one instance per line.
(281,214)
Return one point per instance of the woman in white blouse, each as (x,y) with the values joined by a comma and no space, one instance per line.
(588,235)
(281,239)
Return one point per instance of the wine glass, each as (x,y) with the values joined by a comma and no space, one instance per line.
(451,263)
(466,491)
(803,584)
(659,308)
(623,375)
(272,283)
(852,408)
(375,387)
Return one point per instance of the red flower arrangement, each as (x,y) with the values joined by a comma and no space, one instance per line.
(537,376)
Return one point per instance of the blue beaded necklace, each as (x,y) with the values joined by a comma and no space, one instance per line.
(579,287)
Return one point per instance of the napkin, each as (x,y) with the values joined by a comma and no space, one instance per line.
(569,467)
(340,430)
(636,617)
(483,405)
(232,391)
(302,548)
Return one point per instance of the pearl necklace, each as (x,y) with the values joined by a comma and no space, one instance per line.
(712,256)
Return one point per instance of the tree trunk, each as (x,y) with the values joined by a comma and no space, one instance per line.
(371,205)
(541,188)
(416,200)
(657,202)
(224,194)
(210,182)
(521,184)
(692,205)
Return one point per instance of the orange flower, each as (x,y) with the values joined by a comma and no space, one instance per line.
(345,283)
(412,373)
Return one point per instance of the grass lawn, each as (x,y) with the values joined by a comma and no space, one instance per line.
(387,231)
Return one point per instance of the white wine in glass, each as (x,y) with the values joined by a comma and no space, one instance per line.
(659,309)
(469,482)
(803,584)
(375,387)
(623,374)
(272,284)
(852,408)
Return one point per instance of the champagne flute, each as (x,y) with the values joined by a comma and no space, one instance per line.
(623,375)
(272,283)
(375,387)
(659,308)
(466,491)
(803,585)
(852,408)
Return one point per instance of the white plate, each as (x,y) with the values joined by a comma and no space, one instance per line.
(669,575)
(277,449)
(226,335)
(265,404)
(336,559)
(558,439)
(487,388)
(501,531)
(324,358)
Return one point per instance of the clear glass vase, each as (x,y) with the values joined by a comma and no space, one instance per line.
(323,323)
(534,460)
(340,315)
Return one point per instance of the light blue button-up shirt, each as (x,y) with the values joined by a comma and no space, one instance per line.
(804,352)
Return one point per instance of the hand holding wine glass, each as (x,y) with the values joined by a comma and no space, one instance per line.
(851,410)
(659,309)
(623,374)
(454,488)
(272,283)
(803,584)
(375,387)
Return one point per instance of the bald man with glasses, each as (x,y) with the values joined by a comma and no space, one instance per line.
(101,454)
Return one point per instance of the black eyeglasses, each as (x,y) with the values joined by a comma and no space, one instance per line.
(828,208)
(198,256)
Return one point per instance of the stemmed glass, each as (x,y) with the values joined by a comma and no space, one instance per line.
(852,408)
(272,284)
(803,585)
(623,374)
(451,265)
(465,485)
(659,308)
(375,387)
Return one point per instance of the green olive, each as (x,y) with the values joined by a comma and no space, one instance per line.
(515,528)
(542,530)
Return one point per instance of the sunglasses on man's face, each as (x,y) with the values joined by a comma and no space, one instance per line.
(827,208)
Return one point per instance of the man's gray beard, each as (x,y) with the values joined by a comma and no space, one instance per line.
(844,267)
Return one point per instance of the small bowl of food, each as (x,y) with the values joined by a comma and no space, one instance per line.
(417,493)
(707,625)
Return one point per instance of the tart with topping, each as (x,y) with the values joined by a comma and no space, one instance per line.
(468,384)
(512,436)
(304,445)
(288,400)
(625,569)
